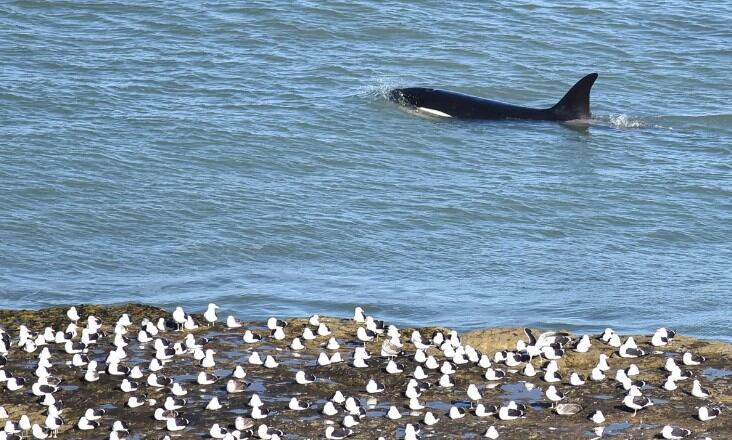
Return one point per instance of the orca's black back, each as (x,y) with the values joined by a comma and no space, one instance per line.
(459,105)
(574,105)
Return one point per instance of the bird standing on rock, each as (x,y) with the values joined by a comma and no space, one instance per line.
(210,314)
(555,395)
(73,315)
(473,394)
(179,317)
(637,403)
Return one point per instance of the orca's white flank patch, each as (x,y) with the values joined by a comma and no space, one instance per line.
(434,112)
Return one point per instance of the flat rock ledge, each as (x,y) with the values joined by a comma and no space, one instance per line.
(276,386)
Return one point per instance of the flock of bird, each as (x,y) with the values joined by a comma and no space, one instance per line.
(420,361)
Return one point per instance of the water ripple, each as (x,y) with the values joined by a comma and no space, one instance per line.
(247,154)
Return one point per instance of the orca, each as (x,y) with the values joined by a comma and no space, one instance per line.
(574,105)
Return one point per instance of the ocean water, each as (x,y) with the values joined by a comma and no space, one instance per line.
(244,153)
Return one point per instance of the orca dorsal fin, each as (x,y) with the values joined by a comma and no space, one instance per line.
(576,103)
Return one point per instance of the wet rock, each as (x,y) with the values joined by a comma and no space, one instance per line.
(277,385)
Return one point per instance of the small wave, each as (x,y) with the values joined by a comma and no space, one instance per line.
(718,121)
(711,118)
(665,122)
(622,121)
(379,89)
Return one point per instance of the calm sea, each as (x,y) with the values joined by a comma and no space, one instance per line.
(243,152)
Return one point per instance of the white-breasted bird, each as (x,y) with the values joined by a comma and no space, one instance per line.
(179,317)
(73,315)
(394,368)
(296,344)
(596,375)
(576,380)
(303,378)
(706,414)
(637,403)
(553,394)
(456,412)
(337,432)
(358,315)
(511,411)
(85,424)
(373,387)
(674,432)
(430,419)
(298,405)
(329,409)
(583,345)
(691,359)
(176,424)
(491,433)
(485,411)
(529,370)
(415,404)
(473,394)
(210,314)
(213,404)
(251,337)
(698,391)
(232,322)
(217,431)
(494,374)
(597,417)
(333,344)
(393,413)
(208,360)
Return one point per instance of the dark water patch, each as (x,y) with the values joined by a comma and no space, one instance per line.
(520,392)
(716,373)
(617,428)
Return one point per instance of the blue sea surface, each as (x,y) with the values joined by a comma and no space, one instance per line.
(245,153)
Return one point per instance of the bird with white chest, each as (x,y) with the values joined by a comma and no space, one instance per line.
(554,395)
(232,322)
(691,359)
(208,360)
(662,336)
(73,315)
(705,414)
(576,380)
(551,373)
(629,349)
(210,314)
(473,394)
(373,387)
(511,411)
(179,317)
(583,345)
(674,432)
(636,402)
(698,391)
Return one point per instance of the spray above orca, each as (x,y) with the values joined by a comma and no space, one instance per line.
(574,105)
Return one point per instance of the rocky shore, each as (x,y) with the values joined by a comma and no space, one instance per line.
(276,386)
